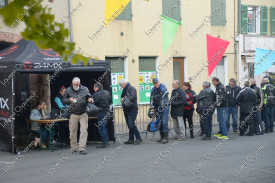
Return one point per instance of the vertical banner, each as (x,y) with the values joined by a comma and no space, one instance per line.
(169,30)
(263,60)
(215,51)
(113,8)
(145,85)
(6,112)
(116,89)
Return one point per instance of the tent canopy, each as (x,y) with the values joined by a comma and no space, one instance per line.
(27,57)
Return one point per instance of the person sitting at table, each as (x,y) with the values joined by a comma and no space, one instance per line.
(38,113)
(61,126)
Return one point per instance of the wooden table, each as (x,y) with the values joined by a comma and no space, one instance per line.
(52,121)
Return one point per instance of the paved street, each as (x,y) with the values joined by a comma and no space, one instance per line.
(240,159)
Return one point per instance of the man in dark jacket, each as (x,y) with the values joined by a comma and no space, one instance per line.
(160,100)
(77,96)
(130,93)
(206,108)
(258,124)
(178,100)
(221,104)
(269,102)
(247,99)
(102,99)
(232,90)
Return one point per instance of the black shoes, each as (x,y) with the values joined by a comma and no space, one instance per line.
(83,152)
(129,142)
(241,134)
(138,141)
(161,137)
(103,145)
(191,134)
(206,138)
(249,134)
(165,138)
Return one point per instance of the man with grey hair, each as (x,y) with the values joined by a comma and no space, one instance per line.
(129,95)
(232,90)
(206,108)
(258,124)
(248,101)
(77,97)
(178,100)
(268,107)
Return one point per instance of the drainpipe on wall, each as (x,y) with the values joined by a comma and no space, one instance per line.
(71,21)
(237,42)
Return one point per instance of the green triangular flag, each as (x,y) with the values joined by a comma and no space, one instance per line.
(169,30)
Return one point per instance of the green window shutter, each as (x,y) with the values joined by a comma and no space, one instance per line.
(264,20)
(126,14)
(117,64)
(147,64)
(218,12)
(272,19)
(3,3)
(172,9)
(244,19)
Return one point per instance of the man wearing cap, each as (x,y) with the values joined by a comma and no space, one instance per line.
(160,100)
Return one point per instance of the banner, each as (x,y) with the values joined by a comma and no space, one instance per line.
(113,8)
(263,60)
(169,31)
(6,112)
(146,85)
(216,48)
(116,88)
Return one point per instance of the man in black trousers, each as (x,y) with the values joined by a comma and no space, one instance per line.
(248,102)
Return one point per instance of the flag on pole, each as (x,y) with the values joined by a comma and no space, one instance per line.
(216,48)
(113,8)
(169,31)
(263,60)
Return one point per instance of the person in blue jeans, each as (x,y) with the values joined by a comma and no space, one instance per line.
(221,103)
(232,90)
(160,100)
(38,113)
(130,109)
(102,99)
(268,106)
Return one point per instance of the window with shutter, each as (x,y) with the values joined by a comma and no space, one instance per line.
(172,9)
(272,20)
(218,12)
(126,14)
(244,17)
(264,20)
(3,3)
(117,64)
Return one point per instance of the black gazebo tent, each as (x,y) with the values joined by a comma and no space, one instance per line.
(24,58)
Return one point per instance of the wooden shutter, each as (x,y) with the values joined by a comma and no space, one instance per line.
(264,20)
(244,19)
(272,19)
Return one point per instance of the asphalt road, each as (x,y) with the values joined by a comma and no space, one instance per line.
(240,159)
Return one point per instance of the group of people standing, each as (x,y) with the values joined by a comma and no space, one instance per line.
(256,105)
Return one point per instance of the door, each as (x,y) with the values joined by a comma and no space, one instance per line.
(178,69)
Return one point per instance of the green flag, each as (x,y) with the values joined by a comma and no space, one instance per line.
(169,30)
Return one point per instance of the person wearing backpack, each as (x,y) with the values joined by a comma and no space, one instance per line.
(160,100)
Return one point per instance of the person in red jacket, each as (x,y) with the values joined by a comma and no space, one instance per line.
(189,109)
